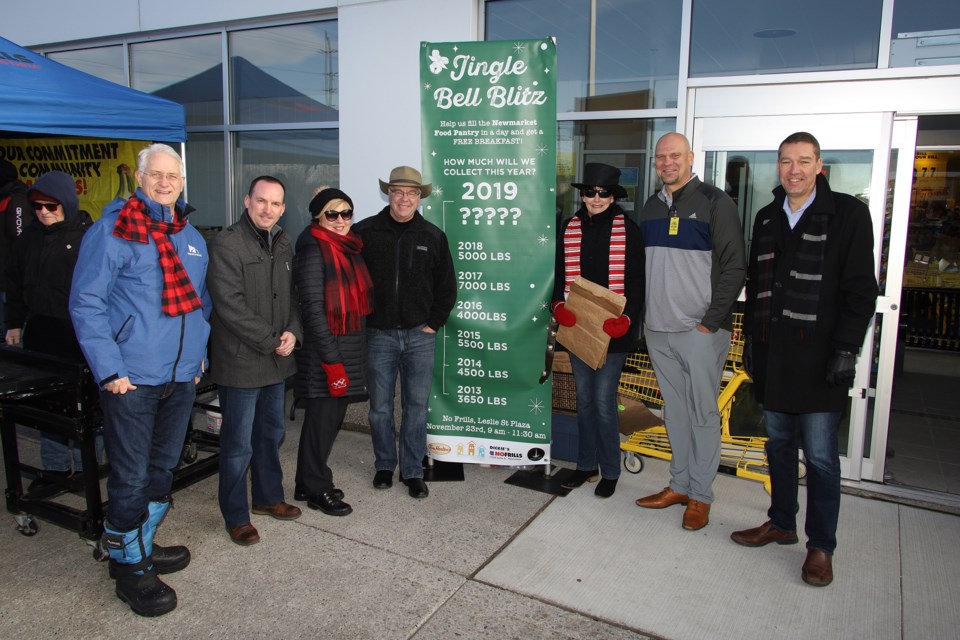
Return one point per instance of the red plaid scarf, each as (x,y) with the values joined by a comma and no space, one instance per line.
(347,284)
(135,225)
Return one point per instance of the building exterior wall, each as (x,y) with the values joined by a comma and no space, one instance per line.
(378,61)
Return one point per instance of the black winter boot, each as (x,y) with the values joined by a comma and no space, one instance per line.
(137,583)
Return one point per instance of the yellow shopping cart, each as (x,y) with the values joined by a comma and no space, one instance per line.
(744,454)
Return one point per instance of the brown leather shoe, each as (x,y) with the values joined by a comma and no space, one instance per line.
(764,534)
(665,498)
(244,534)
(817,568)
(696,516)
(280,511)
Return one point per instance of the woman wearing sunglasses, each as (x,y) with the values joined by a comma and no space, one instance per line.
(336,293)
(601,244)
(39,273)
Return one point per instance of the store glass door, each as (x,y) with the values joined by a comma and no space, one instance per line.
(920,449)
(739,154)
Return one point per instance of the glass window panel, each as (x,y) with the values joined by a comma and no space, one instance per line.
(925,34)
(930,15)
(734,37)
(934,228)
(638,55)
(749,177)
(185,70)
(566,20)
(303,160)
(285,74)
(103,62)
(626,144)
(206,182)
(636,58)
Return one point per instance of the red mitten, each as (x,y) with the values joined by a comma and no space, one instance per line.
(616,327)
(337,380)
(564,316)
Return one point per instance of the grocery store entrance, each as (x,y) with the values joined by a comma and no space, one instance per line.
(923,437)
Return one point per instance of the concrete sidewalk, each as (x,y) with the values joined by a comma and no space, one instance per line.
(485,559)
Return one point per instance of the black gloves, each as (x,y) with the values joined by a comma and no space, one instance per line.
(841,370)
(747,357)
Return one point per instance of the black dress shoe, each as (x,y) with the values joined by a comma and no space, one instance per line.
(383,479)
(417,488)
(578,477)
(330,504)
(301,495)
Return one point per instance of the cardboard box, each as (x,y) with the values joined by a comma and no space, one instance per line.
(592,305)
(635,416)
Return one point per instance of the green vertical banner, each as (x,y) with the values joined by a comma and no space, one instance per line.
(489,147)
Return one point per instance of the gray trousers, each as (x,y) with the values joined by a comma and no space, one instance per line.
(689,366)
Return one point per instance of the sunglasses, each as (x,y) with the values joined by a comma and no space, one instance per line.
(49,206)
(332,215)
(590,193)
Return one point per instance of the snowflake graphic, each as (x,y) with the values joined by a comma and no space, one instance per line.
(543,306)
(536,405)
(438,63)
(519,47)
(542,150)
(438,191)
(427,86)
(542,240)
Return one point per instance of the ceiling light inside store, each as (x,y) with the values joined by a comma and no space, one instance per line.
(775,33)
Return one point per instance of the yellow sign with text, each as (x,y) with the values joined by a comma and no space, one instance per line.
(102,169)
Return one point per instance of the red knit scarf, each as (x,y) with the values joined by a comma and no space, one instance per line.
(616,266)
(135,225)
(347,285)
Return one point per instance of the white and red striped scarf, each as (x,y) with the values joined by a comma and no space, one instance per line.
(617,257)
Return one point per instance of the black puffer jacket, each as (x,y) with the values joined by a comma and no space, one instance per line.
(320,345)
(39,274)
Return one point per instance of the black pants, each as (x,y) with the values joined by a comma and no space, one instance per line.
(321,423)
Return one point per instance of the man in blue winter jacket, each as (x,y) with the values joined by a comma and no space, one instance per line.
(140,307)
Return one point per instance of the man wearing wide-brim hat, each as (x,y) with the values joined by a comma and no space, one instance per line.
(414,288)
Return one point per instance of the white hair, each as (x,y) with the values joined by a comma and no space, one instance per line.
(144,156)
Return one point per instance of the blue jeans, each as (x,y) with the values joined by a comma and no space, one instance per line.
(598,421)
(144,430)
(408,352)
(250,436)
(56,453)
(817,433)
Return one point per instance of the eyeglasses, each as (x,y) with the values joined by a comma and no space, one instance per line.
(405,194)
(157,176)
(49,206)
(590,193)
(346,214)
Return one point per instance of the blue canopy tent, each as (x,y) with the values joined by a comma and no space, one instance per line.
(40,96)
